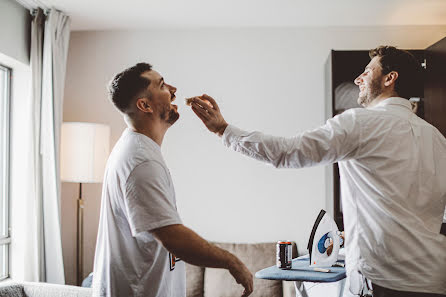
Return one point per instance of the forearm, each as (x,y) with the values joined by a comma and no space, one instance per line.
(199,252)
(324,145)
(191,248)
(281,152)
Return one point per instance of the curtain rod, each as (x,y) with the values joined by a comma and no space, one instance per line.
(32,5)
(33,11)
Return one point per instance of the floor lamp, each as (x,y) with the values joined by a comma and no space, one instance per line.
(83,153)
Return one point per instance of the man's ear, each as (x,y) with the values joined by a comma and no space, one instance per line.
(391,78)
(143,105)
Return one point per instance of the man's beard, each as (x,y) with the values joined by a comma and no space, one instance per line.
(374,90)
(170,116)
(173,116)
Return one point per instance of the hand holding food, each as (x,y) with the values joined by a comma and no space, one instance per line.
(208,111)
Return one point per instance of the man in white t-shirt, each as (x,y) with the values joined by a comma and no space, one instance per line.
(142,243)
(393,176)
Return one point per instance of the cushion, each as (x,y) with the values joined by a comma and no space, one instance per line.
(35,289)
(256,256)
(11,290)
(194,280)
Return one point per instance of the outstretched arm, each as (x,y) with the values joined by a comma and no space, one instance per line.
(190,247)
(337,140)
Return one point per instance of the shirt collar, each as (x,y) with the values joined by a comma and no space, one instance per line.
(394,101)
(149,142)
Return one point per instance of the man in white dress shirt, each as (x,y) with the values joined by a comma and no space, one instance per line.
(142,243)
(393,176)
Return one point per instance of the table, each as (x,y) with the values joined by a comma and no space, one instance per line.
(301,272)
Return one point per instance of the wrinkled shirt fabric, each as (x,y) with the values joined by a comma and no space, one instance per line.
(137,197)
(393,188)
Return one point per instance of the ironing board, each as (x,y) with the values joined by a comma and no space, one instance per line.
(301,272)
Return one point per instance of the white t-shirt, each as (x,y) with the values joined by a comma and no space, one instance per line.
(137,196)
(393,188)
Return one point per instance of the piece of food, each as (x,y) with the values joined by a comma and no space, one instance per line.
(188,101)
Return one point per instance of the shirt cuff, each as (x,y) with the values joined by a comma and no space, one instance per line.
(231,135)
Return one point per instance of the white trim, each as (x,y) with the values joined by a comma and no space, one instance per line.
(19,188)
(5,239)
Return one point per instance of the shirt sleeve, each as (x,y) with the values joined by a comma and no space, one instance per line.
(149,198)
(337,140)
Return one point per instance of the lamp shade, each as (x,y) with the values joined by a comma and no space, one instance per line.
(84,150)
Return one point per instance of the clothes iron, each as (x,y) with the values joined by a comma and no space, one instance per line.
(324,232)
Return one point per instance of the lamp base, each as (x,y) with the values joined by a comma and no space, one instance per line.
(80,238)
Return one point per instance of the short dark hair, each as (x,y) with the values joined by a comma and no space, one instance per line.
(403,62)
(127,85)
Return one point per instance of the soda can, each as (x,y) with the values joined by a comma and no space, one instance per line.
(283,253)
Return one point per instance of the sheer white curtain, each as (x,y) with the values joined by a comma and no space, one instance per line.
(41,243)
(27,254)
(55,49)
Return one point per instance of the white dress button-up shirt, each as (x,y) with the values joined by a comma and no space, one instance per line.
(393,187)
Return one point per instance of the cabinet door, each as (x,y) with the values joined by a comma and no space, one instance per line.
(345,67)
(435,86)
(435,89)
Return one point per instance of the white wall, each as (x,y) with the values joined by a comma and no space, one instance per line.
(265,79)
(15,27)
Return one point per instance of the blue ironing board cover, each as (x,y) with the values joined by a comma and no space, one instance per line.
(300,271)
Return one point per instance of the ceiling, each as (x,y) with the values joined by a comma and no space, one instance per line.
(147,14)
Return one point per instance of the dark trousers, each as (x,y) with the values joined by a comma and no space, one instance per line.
(384,292)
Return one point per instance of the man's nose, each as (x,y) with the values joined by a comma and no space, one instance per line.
(172,89)
(358,80)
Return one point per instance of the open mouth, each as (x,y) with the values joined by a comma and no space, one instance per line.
(173,106)
(172,99)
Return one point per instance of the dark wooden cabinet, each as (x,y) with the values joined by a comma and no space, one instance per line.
(429,94)
(435,86)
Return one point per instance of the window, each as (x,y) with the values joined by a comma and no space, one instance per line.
(5,239)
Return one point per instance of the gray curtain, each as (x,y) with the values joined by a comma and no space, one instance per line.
(49,48)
